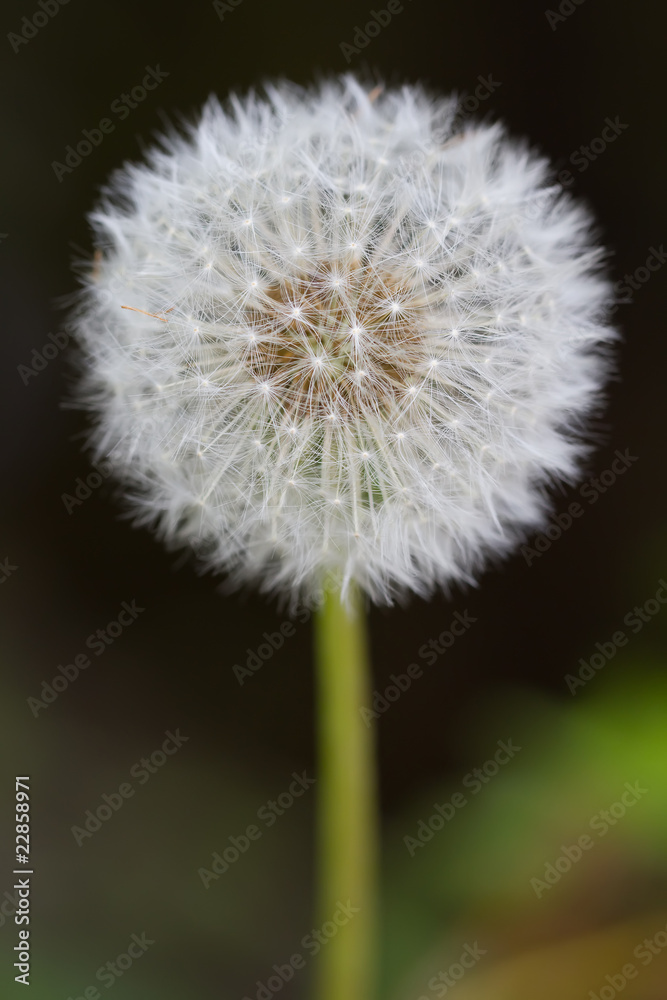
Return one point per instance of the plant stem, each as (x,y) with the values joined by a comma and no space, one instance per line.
(346,802)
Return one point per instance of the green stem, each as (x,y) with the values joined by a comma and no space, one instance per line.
(346,803)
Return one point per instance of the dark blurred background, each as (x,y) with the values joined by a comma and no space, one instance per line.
(558,74)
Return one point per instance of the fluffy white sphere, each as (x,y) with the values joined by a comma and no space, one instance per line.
(328,330)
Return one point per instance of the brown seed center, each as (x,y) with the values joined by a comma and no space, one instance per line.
(334,345)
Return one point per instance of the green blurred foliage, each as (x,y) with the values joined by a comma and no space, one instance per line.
(472,881)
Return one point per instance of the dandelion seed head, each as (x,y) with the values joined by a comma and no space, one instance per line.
(329,363)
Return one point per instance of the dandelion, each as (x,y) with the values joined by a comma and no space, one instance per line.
(328,363)
(338,333)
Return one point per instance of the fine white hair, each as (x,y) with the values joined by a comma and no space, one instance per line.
(332,330)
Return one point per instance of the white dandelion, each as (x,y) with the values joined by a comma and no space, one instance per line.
(328,333)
